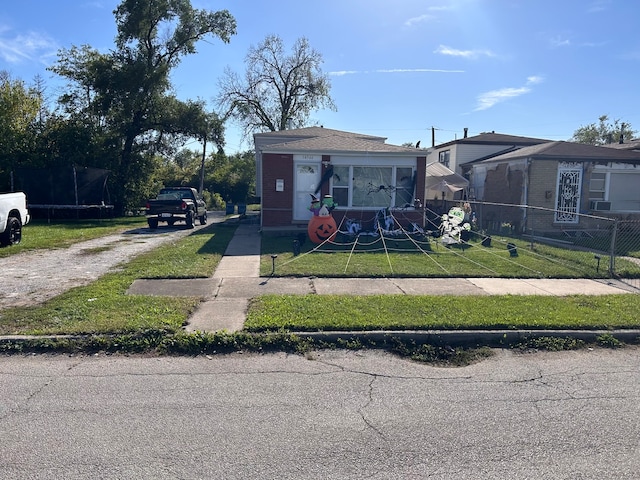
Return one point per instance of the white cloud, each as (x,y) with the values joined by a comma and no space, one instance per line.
(445,50)
(28,47)
(598,6)
(419,19)
(489,99)
(558,41)
(341,73)
(426,17)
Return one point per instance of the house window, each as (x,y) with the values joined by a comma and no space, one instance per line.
(360,186)
(443,158)
(340,185)
(404,187)
(372,186)
(597,186)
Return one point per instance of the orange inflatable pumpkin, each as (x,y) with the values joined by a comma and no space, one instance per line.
(322,228)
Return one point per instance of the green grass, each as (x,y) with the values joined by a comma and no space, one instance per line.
(103,307)
(432,259)
(40,234)
(399,312)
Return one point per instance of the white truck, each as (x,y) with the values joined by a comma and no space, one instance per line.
(13,215)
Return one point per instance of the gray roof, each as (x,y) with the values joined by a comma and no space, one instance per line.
(340,143)
(633,144)
(492,138)
(311,132)
(569,151)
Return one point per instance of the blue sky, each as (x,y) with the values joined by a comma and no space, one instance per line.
(397,68)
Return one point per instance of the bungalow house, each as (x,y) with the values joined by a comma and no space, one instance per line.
(565,178)
(362,173)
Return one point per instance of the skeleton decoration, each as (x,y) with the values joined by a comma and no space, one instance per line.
(454,227)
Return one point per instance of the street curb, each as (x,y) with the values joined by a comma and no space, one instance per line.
(451,338)
(489,338)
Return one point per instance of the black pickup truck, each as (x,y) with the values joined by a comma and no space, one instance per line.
(175,204)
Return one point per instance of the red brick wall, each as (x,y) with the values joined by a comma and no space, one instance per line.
(277,207)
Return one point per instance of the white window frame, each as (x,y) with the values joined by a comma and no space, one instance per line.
(371,163)
(444,157)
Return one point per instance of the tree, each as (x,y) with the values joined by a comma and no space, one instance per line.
(129,88)
(19,107)
(232,178)
(278,91)
(603,133)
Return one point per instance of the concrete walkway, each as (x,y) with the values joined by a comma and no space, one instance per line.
(236,280)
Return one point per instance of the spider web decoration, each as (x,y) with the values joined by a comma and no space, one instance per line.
(393,231)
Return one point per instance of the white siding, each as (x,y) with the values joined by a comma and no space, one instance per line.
(465,153)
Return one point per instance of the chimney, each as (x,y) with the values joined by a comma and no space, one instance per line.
(466,132)
(433,136)
(621,138)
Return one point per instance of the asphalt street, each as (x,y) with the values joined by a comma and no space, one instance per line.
(326,415)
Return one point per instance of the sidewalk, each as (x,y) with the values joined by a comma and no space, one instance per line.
(236,281)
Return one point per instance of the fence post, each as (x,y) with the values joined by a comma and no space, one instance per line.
(612,251)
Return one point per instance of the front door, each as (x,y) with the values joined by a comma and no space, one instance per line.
(307,180)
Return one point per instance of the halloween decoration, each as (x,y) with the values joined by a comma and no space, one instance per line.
(452,226)
(352,226)
(322,228)
(315,205)
(328,202)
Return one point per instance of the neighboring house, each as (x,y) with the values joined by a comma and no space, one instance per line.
(457,153)
(566,178)
(361,172)
(633,144)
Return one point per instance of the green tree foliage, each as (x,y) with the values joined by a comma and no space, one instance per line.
(128,90)
(227,178)
(603,132)
(19,107)
(278,91)
(232,178)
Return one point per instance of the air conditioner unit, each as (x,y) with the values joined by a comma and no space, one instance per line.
(599,205)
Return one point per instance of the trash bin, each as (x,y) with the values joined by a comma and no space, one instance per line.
(230,208)
(242,209)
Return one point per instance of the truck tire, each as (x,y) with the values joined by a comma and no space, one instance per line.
(12,233)
(153,223)
(190,223)
(203,219)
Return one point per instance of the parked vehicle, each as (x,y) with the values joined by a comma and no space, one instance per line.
(13,215)
(175,204)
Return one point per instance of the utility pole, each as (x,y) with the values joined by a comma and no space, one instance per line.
(204,154)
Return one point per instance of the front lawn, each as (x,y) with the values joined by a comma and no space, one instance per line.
(103,306)
(429,258)
(408,312)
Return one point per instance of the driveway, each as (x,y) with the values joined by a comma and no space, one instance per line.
(36,276)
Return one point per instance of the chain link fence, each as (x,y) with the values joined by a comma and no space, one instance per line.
(613,240)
